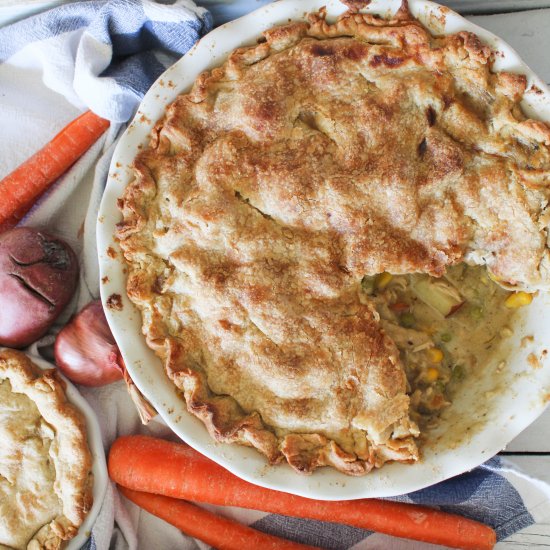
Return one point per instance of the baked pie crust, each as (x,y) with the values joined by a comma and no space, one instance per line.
(45,463)
(327,152)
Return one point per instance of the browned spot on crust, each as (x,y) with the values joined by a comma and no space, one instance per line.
(533,361)
(105,279)
(267,110)
(111,252)
(384,59)
(447,101)
(355,52)
(321,50)
(422,146)
(430,115)
(114,301)
(158,285)
(225,324)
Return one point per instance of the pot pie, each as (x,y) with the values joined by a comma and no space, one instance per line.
(45,464)
(302,233)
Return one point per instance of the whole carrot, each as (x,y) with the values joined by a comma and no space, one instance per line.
(172,469)
(216,531)
(20,189)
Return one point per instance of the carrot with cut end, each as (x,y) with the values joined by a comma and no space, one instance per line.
(20,189)
(173,469)
(217,531)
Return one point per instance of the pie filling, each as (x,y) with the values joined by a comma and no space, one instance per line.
(275,197)
(445,330)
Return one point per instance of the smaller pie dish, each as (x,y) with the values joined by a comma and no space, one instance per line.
(52,464)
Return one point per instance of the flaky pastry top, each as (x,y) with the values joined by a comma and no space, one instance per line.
(326,152)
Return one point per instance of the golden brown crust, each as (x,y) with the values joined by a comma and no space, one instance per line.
(57,443)
(325,153)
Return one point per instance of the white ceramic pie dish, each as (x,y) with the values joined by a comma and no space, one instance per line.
(490,409)
(99,467)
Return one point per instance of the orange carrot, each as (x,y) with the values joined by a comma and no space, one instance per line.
(400,307)
(216,531)
(172,469)
(20,189)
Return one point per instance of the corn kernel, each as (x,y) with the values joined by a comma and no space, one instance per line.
(430,329)
(518,299)
(435,355)
(432,374)
(383,280)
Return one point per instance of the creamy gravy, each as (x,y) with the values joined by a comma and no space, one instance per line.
(445,329)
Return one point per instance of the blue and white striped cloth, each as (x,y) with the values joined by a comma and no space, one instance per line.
(103,55)
(106,54)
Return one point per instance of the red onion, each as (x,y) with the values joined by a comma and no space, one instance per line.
(38,277)
(85,349)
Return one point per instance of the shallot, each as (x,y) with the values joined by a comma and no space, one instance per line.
(86,352)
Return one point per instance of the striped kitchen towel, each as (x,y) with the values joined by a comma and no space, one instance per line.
(104,55)
(496,493)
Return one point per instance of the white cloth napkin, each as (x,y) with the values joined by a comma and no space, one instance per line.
(51,68)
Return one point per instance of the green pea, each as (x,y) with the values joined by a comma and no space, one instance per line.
(458,372)
(367,284)
(476,313)
(407,320)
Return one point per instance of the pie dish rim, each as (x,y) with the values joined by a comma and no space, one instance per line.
(160,95)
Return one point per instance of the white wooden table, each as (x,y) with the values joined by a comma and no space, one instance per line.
(528,33)
(530,451)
